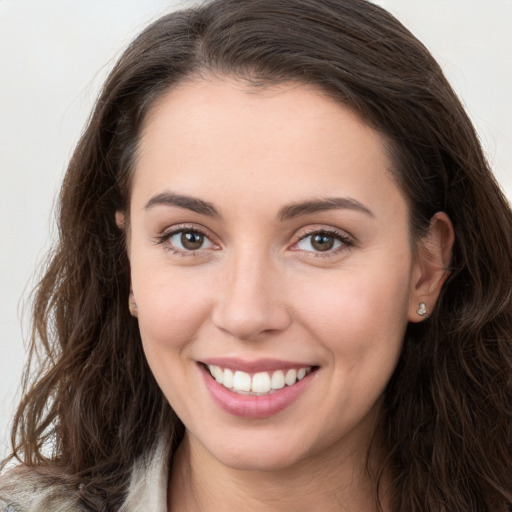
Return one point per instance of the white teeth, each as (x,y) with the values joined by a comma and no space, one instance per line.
(242,381)
(277,381)
(290,377)
(218,374)
(228,378)
(260,383)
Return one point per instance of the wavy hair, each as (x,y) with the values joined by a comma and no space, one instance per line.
(448,408)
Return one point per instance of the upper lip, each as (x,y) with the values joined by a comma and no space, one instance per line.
(254,366)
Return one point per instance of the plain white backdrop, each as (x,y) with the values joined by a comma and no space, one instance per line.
(54,55)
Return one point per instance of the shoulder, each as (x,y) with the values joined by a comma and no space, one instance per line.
(23,489)
(149,479)
(8,507)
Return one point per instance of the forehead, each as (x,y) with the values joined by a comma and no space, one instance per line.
(208,136)
(233,103)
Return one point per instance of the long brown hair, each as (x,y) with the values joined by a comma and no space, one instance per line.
(448,407)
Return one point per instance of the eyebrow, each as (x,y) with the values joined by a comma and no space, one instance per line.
(321,205)
(190,203)
(286,213)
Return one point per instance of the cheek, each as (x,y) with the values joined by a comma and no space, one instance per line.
(360,313)
(171,310)
(360,319)
(171,307)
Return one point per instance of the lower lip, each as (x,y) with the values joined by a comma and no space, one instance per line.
(251,406)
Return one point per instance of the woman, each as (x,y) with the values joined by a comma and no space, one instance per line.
(283,280)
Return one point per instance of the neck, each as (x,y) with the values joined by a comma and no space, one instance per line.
(341,480)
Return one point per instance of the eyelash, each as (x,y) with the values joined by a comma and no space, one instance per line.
(345,241)
(165,237)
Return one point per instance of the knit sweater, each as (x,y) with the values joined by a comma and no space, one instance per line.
(23,490)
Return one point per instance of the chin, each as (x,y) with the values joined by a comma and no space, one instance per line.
(266,460)
(261,451)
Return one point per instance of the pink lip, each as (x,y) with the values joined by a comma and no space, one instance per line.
(251,406)
(260,365)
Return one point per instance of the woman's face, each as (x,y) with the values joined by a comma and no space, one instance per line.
(269,243)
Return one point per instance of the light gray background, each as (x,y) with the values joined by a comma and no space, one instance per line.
(54,55)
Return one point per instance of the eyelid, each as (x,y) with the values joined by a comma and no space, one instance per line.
(164,238)
(347,241)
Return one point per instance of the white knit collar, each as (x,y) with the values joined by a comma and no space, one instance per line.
(149,480)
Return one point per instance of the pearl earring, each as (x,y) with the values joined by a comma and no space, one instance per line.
(422,310)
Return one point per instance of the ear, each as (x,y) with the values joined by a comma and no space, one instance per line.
(431,270)
(121,224)
(120,219)
(132,305)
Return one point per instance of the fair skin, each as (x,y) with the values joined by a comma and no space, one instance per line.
(266,234)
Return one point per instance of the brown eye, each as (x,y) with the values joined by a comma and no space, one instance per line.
(322,242)
(191,240)
(188,240)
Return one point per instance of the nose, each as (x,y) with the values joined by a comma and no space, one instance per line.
(251,299)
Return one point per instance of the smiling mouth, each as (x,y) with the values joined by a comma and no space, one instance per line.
(257,384)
